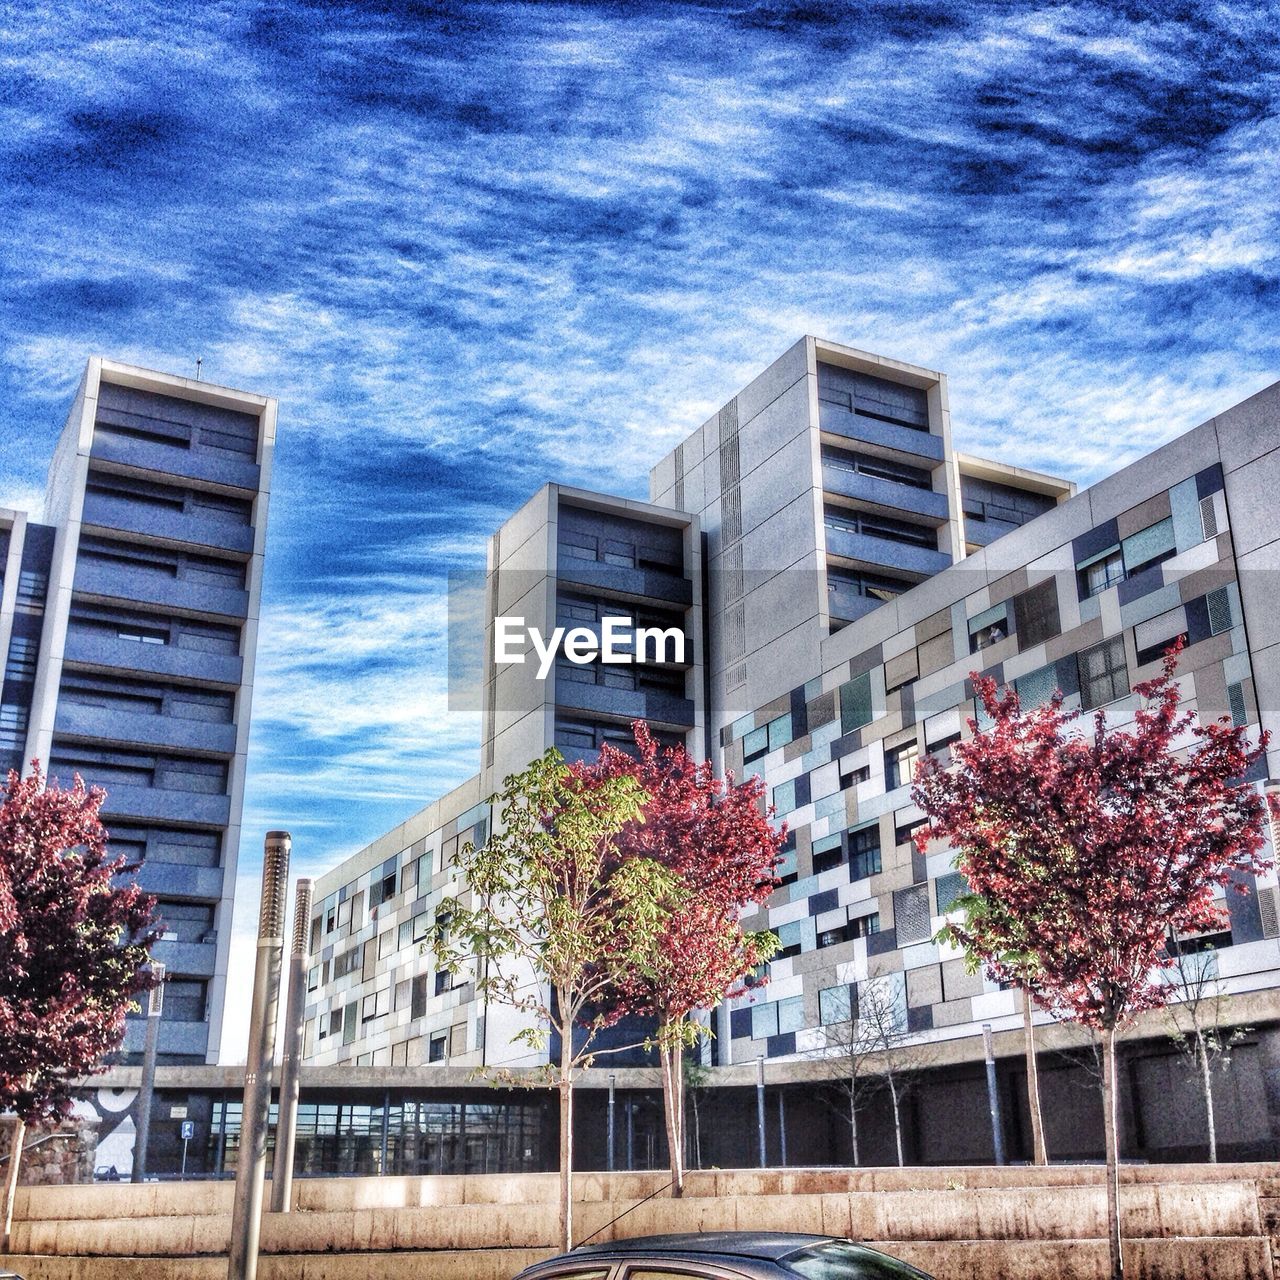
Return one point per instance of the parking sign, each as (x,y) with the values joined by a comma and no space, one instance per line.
(188,1129)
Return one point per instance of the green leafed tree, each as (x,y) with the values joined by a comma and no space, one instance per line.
(548,917)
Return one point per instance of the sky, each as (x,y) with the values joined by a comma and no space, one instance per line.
(475,247)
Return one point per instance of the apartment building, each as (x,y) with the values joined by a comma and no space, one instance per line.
(129,623)
(845,572)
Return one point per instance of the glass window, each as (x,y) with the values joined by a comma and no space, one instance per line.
(1101,571)
(855,703)
(988,627)
(791,1014)
(900,764)
(864,852)
(836,1004)
(1149,546)
(764,1020)
(828,853)
(755,744)
(1104,677)
(784,797)
(779,732)
(844,1260)
(790,935)
(1036,614)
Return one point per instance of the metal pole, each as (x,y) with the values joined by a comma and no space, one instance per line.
(993,1095)
(146,1091)
(251,1165)
(291,1053)
(760,1109)
(631,1134)
(782,1124)
(182,1176)
(613,1080)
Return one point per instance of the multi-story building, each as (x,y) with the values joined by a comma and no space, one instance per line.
(129,620)
(857,571)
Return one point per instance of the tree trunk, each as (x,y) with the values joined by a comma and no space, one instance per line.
(897,1119)
(853,1124)
(17,1137)
(697,1129)
(1206,1084)
(1112,1150)
(669,1056)
(566,1147)
(1039,1153)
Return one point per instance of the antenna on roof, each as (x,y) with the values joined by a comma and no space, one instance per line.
(199,362)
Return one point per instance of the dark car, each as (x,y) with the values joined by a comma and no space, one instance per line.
(724,1255)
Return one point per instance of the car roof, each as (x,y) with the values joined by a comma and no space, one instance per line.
(733,1244)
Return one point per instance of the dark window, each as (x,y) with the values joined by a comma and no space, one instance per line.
(868,586)
(864,852)
(842,520)
(879,468)
(1101,572)
(828,853)
(444,982)
(1103,674)
(436,1048)
(1036,614)
(855,776)
(418,997)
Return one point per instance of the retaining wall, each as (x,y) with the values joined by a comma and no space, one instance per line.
(1181,1221)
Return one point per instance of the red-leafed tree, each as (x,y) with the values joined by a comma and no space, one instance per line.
(718,839)
(75,935)
(1085,851)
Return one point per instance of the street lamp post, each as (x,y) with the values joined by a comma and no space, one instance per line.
(251,1166)
(760,1108)
(146,1091)
(993,1095)
(291,1054)
(613,1080)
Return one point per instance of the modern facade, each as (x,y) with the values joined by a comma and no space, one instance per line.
(844,572)
(129,623)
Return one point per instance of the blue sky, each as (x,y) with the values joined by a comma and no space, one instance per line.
(475,247)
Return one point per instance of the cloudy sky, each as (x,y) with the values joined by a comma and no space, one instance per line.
(475,247)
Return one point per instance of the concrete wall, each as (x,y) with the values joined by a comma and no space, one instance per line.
(1000,1224)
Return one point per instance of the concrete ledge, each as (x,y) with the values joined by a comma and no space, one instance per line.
(1221,1209)
(166,1199)
(1229,1259)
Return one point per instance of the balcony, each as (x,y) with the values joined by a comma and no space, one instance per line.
(178,880)
(76,721)
(95,649)
(881,553)
(892,497)
(618,580)
(188,1039)
(231,469)
(161,804)
(108,514)
(116,583)
(885,435)
(627,704)
(849,606)
(191,959)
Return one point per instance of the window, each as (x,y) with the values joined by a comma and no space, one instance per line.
(988,627)
(436,1047)
(864,852)
(777,1017)
(791,937)
(784,796)
(1036,614)
(837,1004)
(879,468)
(900,764)
(386,943)
(755,744)
(845,520)
(855,703)
(906,832)
(785,869)
(23,654)
(444,982)
(828,853)
(1148,547)
(864,926)
(313,977)
(1100,572)
(949,890)
(1103,674)
(855,776)
(418,997)
(869,586)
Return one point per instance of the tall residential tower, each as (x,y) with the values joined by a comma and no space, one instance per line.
(129,619)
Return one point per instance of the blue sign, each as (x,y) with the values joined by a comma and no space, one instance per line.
(188,1130)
